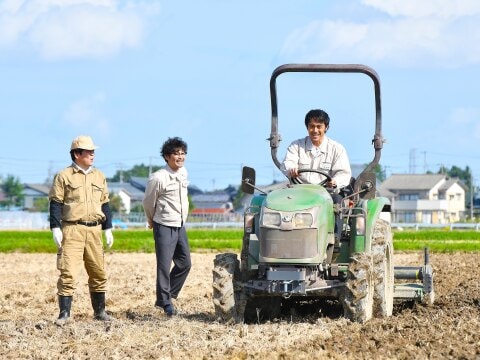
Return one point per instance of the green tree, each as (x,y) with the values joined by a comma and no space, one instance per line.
(238,199)
(137,171)
(191,205)
(455,171)
(40,205)
(116,204)
(138,208)
(13,191)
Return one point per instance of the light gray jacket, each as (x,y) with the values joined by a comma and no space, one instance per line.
(331,158)
(166,197)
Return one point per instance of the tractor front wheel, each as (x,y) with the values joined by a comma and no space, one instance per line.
(359,288)
(227,293)
(382,250)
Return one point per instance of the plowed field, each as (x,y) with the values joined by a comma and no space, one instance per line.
(450,329)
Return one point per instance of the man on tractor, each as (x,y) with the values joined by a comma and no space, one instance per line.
(318,152)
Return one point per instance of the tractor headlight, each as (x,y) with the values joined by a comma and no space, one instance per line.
(303,220)
(271,219)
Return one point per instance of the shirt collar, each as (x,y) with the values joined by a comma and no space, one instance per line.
(323,146)
(78,168)
(180,173)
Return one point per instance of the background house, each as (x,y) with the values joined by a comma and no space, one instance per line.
(425,198)
(131,196)
(34,192)
(218,202)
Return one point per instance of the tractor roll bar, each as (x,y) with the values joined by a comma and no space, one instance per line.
(275,137)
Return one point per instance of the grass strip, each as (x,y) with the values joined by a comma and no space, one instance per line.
(231,239)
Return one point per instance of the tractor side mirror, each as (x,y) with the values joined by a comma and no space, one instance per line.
(248,180)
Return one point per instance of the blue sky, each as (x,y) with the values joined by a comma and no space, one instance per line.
(131,74)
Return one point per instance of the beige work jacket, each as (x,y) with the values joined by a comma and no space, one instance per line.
(82,195)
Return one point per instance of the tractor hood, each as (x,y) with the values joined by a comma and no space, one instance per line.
(297,197)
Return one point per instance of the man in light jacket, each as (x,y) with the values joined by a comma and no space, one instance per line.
(166,209)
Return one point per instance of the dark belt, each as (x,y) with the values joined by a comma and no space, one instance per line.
(89,223)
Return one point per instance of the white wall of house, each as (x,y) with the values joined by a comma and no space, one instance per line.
(435,206)
(433,193)
(456,202)
(428,206)
(127,204)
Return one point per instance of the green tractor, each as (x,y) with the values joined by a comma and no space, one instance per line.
(289,253)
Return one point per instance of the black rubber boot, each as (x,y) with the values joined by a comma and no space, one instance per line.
(98,304)
(65,304)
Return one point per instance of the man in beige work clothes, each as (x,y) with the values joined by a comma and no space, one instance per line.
(79,210)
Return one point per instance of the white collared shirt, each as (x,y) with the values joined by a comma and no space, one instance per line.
(330,157)
(166,197)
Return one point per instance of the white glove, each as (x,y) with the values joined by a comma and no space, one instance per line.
(57,236)
(109,237)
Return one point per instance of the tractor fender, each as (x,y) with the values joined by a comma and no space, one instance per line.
(378,208)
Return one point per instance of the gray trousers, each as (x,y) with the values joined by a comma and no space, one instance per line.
(171,244)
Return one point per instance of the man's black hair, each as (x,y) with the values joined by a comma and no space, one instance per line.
(75,151)
(317,115)
(172,145)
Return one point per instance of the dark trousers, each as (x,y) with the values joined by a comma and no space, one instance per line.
(171,244)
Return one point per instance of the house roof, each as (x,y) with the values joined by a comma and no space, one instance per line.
(450,181)
(134,193)
(42,189)
(139,182)
(385,193)
(411,181)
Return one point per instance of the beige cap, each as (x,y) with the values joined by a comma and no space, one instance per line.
(83,142)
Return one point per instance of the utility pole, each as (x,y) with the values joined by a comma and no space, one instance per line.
(120,172)
(471,196)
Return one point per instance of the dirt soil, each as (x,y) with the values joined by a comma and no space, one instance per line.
(450,329)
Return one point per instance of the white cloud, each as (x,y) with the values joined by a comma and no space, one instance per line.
(403,33)
(447,9)
(59,29)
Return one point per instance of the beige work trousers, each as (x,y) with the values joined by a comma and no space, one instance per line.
(81,244)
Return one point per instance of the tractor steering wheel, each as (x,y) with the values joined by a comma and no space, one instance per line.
(321,183)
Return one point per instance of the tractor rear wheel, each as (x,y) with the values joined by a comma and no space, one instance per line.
(227,294)
(359,288)
(382,251)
